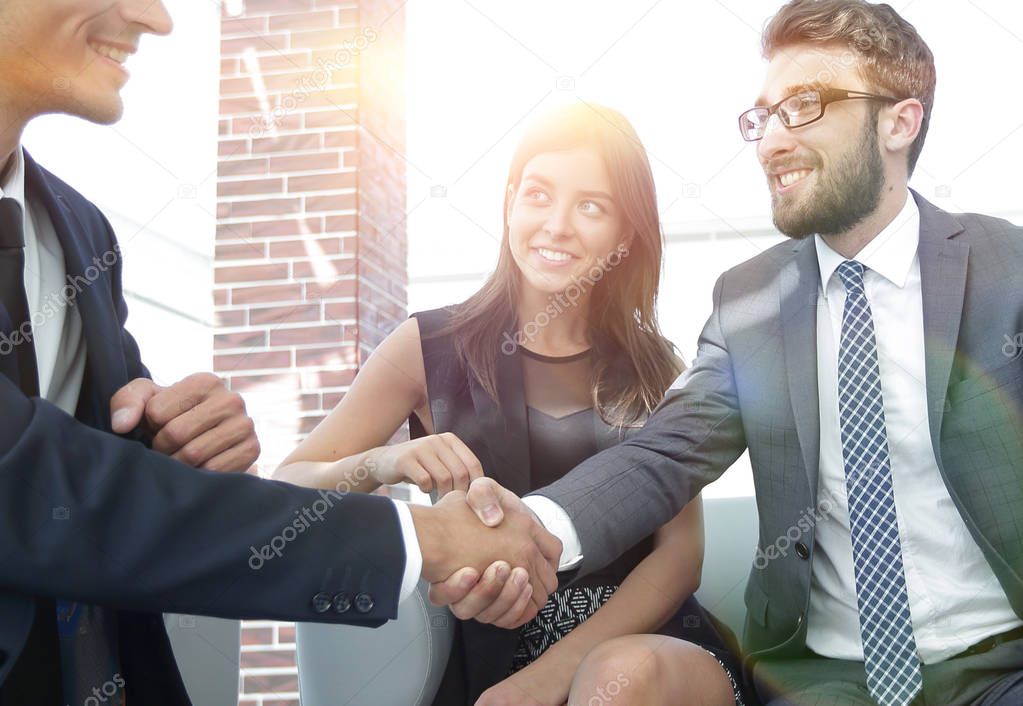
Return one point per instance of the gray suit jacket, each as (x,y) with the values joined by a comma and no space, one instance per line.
(754,384)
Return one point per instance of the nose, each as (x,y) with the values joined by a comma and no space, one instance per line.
(559,222)
(777,140)
(153,16)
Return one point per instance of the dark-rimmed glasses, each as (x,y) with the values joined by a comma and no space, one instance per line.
(799,109)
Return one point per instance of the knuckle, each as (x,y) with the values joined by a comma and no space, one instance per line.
(205,379)
(235,402)
(192,454)
(176,434)
(255,448)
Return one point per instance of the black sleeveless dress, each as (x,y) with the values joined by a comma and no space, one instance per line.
(551,424)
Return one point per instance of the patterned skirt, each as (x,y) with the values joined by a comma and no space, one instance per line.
(565,611)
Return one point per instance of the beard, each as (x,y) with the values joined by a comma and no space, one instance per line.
(844,195)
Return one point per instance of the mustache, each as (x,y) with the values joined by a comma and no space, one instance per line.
(788,163)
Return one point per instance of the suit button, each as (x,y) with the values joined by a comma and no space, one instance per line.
(342,602)
(801,551)
(364,603)
(321,602)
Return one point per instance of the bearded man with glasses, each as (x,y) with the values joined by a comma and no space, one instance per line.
(863,364)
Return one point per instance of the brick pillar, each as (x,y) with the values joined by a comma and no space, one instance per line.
(309,271)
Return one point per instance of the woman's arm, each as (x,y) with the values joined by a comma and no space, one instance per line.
(343,449)
(648,597)
(348,451)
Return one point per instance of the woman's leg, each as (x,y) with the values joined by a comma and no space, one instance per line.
(650,670)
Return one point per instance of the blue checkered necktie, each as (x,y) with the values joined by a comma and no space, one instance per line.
(889,648)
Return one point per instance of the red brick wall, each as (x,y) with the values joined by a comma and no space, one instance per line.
(309,271)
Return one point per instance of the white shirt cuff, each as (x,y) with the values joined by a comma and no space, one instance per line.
(413,554)
(558,523)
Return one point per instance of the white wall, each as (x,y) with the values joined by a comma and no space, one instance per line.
(154,176)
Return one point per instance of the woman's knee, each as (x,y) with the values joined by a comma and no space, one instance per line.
(622,668)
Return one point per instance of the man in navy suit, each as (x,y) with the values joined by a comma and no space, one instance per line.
(102,527)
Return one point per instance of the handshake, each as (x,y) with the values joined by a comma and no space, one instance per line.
(486,555)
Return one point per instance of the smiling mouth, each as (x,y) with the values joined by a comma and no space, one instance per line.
(787,179)
(556,256)
(115,54)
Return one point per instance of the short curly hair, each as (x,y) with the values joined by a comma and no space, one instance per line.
(893,58)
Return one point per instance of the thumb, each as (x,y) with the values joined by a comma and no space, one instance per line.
(128,404)
(484,497)
(455,587)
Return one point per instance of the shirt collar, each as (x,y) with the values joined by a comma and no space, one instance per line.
(890,253)
(12,184)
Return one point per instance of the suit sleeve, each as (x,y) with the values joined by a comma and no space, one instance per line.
(90,516)
(623,494)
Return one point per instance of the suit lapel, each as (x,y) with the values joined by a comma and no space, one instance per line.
(105,360)
(943,264)
(799,282)
(504,426)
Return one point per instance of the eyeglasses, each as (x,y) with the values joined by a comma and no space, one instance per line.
(799,109)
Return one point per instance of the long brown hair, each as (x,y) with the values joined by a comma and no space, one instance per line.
(633,364)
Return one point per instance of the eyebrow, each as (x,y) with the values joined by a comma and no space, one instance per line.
(586,194)
(795,88)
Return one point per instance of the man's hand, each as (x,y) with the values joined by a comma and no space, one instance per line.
(197,421)
(457,549)
(494,598)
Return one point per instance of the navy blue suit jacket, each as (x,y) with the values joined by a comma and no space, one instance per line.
(92,516)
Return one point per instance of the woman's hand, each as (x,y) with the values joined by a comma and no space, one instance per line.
(439,461)
(540,684)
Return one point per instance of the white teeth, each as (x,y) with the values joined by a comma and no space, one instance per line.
(789,178)
(118,55)
(553,255)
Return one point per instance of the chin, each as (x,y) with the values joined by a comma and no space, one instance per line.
(99,109)
(547,286)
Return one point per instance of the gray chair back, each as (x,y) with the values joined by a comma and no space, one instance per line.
(731,529)
(399,663)
(207,651)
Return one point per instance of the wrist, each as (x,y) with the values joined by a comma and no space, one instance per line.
(429,531)
(370,464)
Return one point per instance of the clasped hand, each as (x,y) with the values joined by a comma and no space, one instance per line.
(197,421)
(486,555)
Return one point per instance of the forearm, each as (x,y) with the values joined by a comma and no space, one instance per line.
(352,474)
(142,531)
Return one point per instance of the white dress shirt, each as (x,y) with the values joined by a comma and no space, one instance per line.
(954,597)
(57,329)
(56,325)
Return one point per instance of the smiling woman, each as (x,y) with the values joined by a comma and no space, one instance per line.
(558,356)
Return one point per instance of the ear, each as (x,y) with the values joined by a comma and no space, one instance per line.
(900,124)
